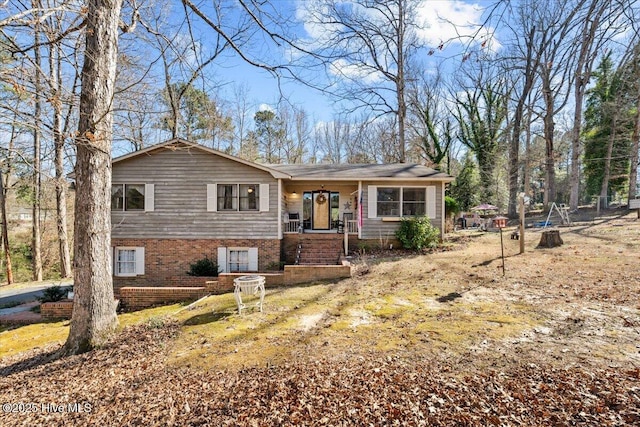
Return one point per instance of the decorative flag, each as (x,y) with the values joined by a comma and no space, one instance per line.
(360,211)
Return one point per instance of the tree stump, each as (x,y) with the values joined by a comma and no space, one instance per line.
(550,239)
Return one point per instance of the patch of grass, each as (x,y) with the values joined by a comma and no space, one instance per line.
(216,336)
(28,337)
(352,316)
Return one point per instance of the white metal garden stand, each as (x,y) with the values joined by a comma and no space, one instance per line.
(248,285)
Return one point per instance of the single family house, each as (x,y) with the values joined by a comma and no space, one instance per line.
(177,202)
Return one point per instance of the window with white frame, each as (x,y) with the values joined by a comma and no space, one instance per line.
(238,260)
(388,201)
(128,261)
(413,202)
(234,197)
(132,197)
(401,202)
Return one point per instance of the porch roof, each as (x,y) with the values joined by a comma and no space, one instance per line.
(362,172)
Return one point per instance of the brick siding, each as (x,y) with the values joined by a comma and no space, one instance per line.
(168,260)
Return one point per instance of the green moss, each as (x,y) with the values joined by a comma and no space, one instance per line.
(28,337)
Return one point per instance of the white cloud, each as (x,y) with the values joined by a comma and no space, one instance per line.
(316,34)
(453,21)
(342,68)
(265,107)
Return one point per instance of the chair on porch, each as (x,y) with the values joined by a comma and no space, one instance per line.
(346,217)
(294,220)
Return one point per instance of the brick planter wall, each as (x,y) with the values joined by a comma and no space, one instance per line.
(168,260)
(135,298)
(56,310)
(295,274)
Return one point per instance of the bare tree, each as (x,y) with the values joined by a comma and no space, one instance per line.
(36,236)
(432,128)
(296,128)
(600,20)
(94,314)
(556,23)
(524,64)
(333,139)
(240,116)
(60,127)
(481,113)
(5,174)
(367,46)
(635,138)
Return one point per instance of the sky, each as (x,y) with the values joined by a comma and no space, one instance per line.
(441,21)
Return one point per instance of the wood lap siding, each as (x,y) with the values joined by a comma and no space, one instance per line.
(180,180)
(375,228)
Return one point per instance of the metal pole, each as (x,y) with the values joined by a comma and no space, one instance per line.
(502,247)
(522,223)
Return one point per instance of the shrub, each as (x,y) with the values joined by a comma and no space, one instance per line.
(451,206)
(417,233)
(53,294)
(204,267)
(275,266)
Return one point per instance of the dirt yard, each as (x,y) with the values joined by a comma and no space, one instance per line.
(412,339)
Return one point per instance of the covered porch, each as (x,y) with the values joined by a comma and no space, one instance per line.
(311,207)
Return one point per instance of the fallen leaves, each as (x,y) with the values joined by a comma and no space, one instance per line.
(128,383)
(572,361)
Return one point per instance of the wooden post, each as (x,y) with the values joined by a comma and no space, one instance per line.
(346,239)
(521,223)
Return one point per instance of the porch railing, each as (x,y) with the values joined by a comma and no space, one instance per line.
(292,226)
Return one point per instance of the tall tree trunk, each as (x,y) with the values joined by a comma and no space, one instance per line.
(94,310)
(574,180)
(604,189)
(635,147)
(584,65)
(58,137)
(531,64)
(5,230)
(526,178)
(549,129)
(400,83)
(36,238)
(4,191)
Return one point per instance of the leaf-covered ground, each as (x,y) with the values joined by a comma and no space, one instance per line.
(439,339)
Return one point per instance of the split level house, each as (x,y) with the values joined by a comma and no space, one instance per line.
(178,202)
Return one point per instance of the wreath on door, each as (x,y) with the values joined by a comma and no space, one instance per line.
(321,199)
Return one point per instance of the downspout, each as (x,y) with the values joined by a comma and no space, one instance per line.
(443,212)
(360,209)
(280,209)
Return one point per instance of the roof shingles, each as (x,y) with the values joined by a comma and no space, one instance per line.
(362,171)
